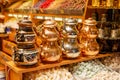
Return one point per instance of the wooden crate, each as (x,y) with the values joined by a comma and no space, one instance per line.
(8,46)
(4,58)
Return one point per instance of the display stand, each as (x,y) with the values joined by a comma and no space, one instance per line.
(13,69)
(14,72)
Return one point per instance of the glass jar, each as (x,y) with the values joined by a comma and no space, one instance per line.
(101,33)
(50,51)
(89,28)
(119,3)
(114,31)
(103,3)
(70,48)
(103,18)
(95,3)
(90,47)
(110,3)
(104,30)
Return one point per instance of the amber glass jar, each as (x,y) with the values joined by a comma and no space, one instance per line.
(49,31)
(95,3)
(110,3)
(50,50)
(89,33)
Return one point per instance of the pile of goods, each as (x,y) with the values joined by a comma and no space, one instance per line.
(86,70)
(112,62)
(89,70)
(19,5)
(49,5)
(106,75)
(61,4)
(2,28)
(12,23)
(57,73)
(73,4)
(15,5)
(26,5)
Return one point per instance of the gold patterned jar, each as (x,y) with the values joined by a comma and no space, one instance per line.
(25,53)
(110,3)
(95,3)
(119,4)
(25,56)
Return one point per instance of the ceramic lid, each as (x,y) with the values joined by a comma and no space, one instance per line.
(49,22)
(71,21)
(25,22)
(90,21)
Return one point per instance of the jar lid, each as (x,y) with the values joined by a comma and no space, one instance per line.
(49,22)
(25,46)
(25,22)
(71,21)
(90,21)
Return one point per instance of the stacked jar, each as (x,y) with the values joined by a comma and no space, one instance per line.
(50,50)
(88,35)
(26,52)
(106,3)
(69,42)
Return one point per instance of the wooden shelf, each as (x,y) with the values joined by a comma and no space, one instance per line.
(102,7)
(24,69)
(49,15)
(58,15)
(2,67)
(109,38)
(3,35)
(4,57)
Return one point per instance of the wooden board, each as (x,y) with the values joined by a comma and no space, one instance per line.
(48,15)
(11,75)
(3,35)
(2,67)
(4,57)
(102,7)
(7,46)
(24,69)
